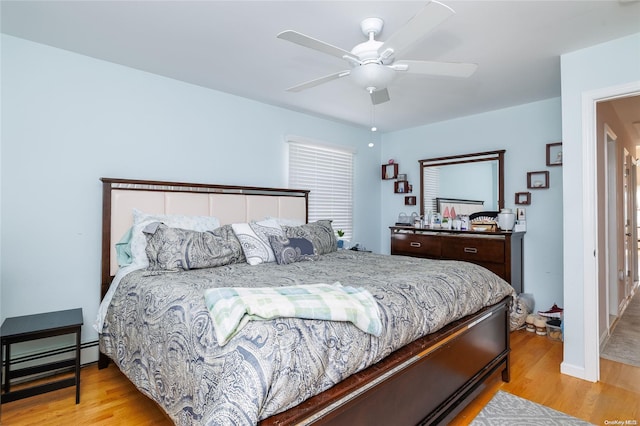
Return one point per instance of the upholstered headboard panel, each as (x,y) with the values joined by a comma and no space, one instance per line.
(230,204)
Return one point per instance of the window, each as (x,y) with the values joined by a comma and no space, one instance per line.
(328,173)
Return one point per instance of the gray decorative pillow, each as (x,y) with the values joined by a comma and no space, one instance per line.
(290,250)
(176,249)
(229,237)
(320,234)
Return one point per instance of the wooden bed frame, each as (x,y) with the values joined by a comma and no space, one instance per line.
(426,382)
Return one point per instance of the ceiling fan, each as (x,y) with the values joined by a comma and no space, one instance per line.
(374,64)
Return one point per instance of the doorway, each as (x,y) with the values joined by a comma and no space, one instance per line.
(616,218)
(591,253)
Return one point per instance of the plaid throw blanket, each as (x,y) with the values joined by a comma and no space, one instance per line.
(232,307)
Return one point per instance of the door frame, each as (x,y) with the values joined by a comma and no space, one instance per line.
(591,330)
(610,229)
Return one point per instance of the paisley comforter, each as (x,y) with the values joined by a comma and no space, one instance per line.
(158,331)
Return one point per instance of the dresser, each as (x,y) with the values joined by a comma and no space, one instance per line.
(500,252)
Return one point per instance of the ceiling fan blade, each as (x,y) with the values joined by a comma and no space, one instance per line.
(380,96)
(446,69)
(426,20)
(318,81)
(321,46)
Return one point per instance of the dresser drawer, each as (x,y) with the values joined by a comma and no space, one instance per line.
(499,252)
(416,245)
(474,249)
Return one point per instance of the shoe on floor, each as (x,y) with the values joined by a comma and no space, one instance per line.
(554,312)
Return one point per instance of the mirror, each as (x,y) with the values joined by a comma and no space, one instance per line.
(475,179)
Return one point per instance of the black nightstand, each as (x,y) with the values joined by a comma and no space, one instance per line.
(39,326)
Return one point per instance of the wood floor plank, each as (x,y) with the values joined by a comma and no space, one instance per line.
(108,398)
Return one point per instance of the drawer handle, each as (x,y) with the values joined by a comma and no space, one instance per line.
(470,250)
(415,244)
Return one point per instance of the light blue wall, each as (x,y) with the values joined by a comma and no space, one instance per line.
(523,131)
(598,67)
(68,120)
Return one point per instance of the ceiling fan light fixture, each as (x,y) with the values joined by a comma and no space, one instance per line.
(373,63)
(372,76)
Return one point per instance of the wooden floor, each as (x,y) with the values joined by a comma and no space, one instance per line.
(108,398)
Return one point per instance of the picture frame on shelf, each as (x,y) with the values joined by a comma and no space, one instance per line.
(389,171)
(538,180)
(402,176)
(554,154)
(523,198)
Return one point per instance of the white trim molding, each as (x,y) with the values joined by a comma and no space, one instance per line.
(591,369)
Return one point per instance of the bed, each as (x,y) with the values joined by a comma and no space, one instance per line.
(429,358)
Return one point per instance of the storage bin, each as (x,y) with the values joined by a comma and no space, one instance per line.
(554,332)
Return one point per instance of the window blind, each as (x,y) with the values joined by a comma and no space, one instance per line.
(328,173)
(431,182)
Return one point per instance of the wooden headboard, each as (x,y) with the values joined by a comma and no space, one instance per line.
(230,204)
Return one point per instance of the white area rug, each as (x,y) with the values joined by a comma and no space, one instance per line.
(506,409)
(624,343)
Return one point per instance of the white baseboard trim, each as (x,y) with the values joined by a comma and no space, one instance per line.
(574,370)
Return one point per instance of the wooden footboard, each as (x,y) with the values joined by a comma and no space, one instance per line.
(425,382)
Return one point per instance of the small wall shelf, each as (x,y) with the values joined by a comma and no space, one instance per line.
(554,154)
(410,200)
(538,180)
(401,187)
(523,198)
(389,171)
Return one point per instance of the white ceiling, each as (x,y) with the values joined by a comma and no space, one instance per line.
(231,46)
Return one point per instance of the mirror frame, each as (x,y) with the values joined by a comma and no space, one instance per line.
(461,159)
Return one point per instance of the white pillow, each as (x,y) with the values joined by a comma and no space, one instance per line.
(254,239)
(285,221)
(141,220)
